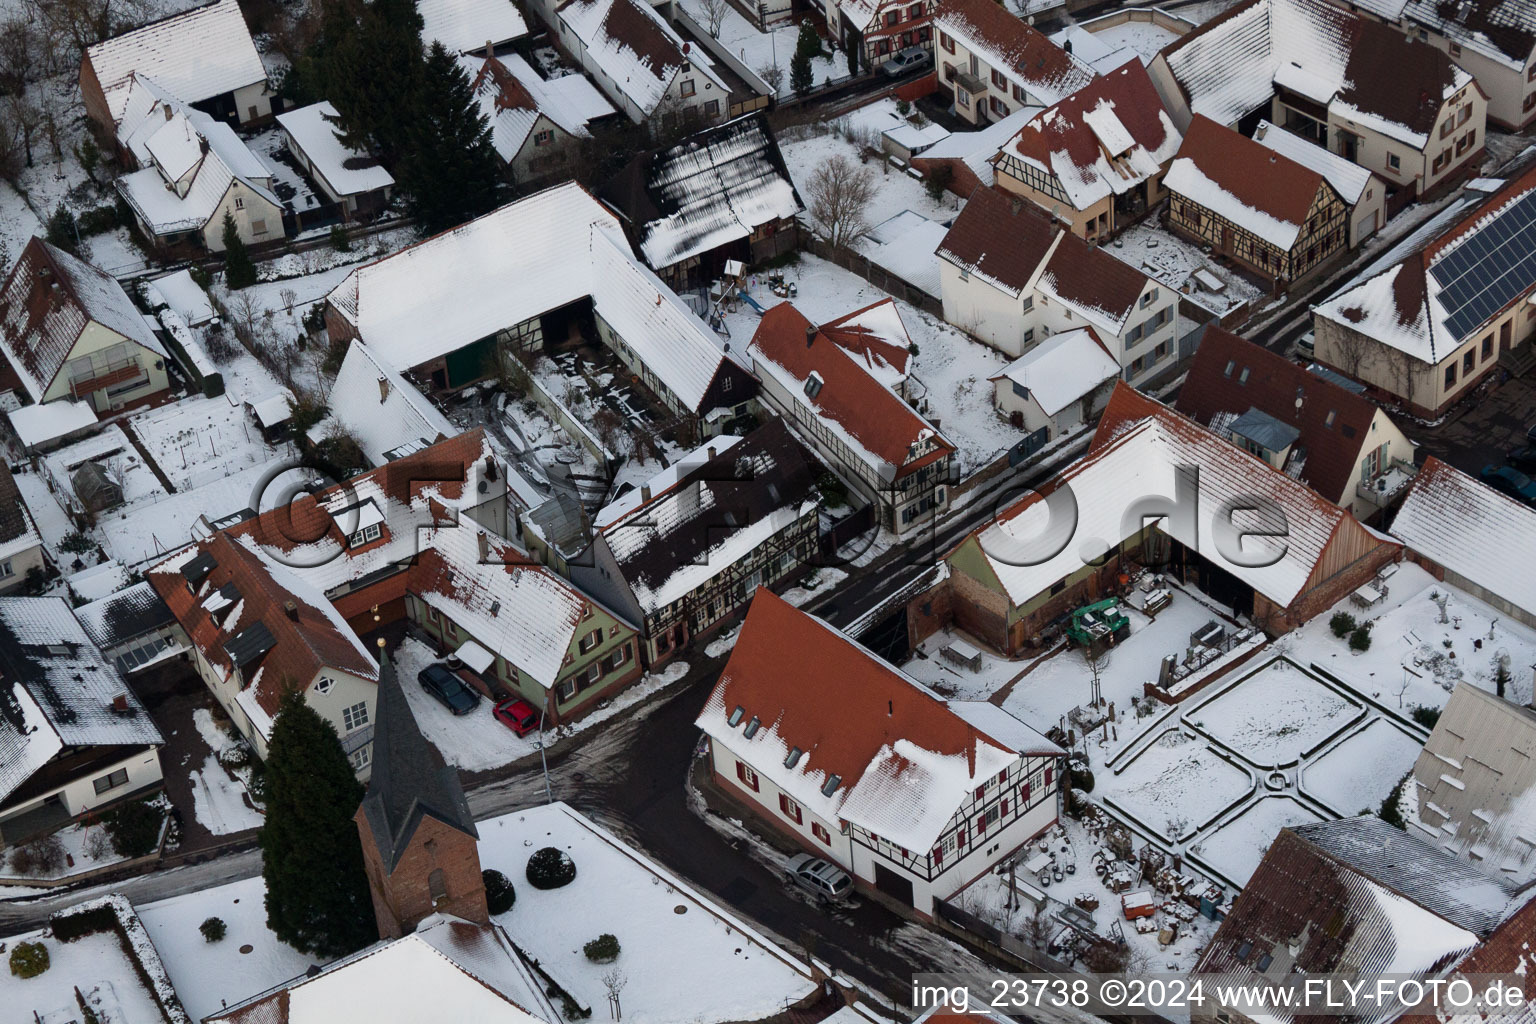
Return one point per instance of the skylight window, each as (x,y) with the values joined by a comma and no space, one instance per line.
(752,727)
(736,716)
(1242,378)
(813,385)
(830,786)
(793,758)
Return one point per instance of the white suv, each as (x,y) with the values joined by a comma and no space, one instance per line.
(827,882)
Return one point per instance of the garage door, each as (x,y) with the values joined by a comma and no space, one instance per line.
(894,885)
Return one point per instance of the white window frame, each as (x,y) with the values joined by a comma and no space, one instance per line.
(355,716)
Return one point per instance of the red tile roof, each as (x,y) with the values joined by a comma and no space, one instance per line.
(1000,237)
(864,343)
(1251,172)
(1021,48)
(872,414)
(1335,423)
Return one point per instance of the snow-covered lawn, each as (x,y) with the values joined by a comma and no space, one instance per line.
(218,795)
(97,967)
(211,975)
(1171,260)
(761,50)
(477,742)
(111,450)
(80,842)
(1275,716)
(1174,784)
(198,440)
(1236,847)
(952,367)
(1414,658)
(1357,773)
(674,943)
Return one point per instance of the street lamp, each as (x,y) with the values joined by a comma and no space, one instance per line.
(549,797)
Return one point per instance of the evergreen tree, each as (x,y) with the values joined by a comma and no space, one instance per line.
(808,42)
(311,856)
(239,270)
(800,77)
(449,169)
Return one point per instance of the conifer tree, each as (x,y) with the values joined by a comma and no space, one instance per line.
(311,856)
(239,270)
(449,168)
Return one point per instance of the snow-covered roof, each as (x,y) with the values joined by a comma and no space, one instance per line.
(1104,139)
(712,518)
(48,301)
(910,137)
(1434,291)
(635,48)
(976,149)
(851,401)
(123,616)
(18,531)
(877,748)
(1062,369)
(166,206)
(1472,530)
(514,264)
(1258,189)
(877,339)
(662,481)
(1142,449)
(447,969)
(39,424)
(183,295)
(57,691)
(1501,30)
(1348,178)
(1008,45)
(380,408)
(715,187)
(196,55)
(349,171)
(1362,70)
(464,25)
(512,96)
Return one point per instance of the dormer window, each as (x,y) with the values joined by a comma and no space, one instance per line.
(813,384)
(368,527)
(366,535)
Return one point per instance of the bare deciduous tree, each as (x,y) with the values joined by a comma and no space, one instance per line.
(840,192)
(614,981)
(773,75)
(714,15)
(289,297)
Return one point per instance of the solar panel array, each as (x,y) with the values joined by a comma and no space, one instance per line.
(1492,267)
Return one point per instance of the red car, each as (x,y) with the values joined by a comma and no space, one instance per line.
(518,715)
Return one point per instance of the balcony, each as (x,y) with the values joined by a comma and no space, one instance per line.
(101,378)
(1389,485)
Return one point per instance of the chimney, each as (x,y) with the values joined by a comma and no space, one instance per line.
(1066,46)
(1018,204)
(890,708)
(645,492)
(167,110)
(711,451)
(291,610)
(485,547)
(120,702)
(383,387)
(490,468)
(810,335)
(490,49)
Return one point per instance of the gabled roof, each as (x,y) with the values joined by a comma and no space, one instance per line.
(1008,243)
(218,158)
(1348,178)
(512,96)
(1062,369)
(47,302)
(1256,188)
(716,186)
(876,748)
(196,55)
(464,25)
(1231,375)
(57,691)
(1443,289)
(314,131)
(713,517)
(124,616)
(516,263)
(638,51)
(850,400)
(238,614)
(1361,69)
(1472,530)
(410,780)
(1504,30)
(1510,950)
(1006,43)
(1104,139)
(1144,449)
(1362,898)
(877,337)
(17,532)
(447,969)
(381,408)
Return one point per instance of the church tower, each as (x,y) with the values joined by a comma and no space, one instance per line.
(419,839)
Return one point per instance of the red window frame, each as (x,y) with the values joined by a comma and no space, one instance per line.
(914,12)
(790,809)
(747,776)
(980,792)
(946,42)
(998,79)
(938,854)
(820,832)
(1048,773)
(1024,793)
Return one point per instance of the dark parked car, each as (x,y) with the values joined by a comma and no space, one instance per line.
(905,62)
(1523,459)
(518,715)
(1511,482)
(448,689)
